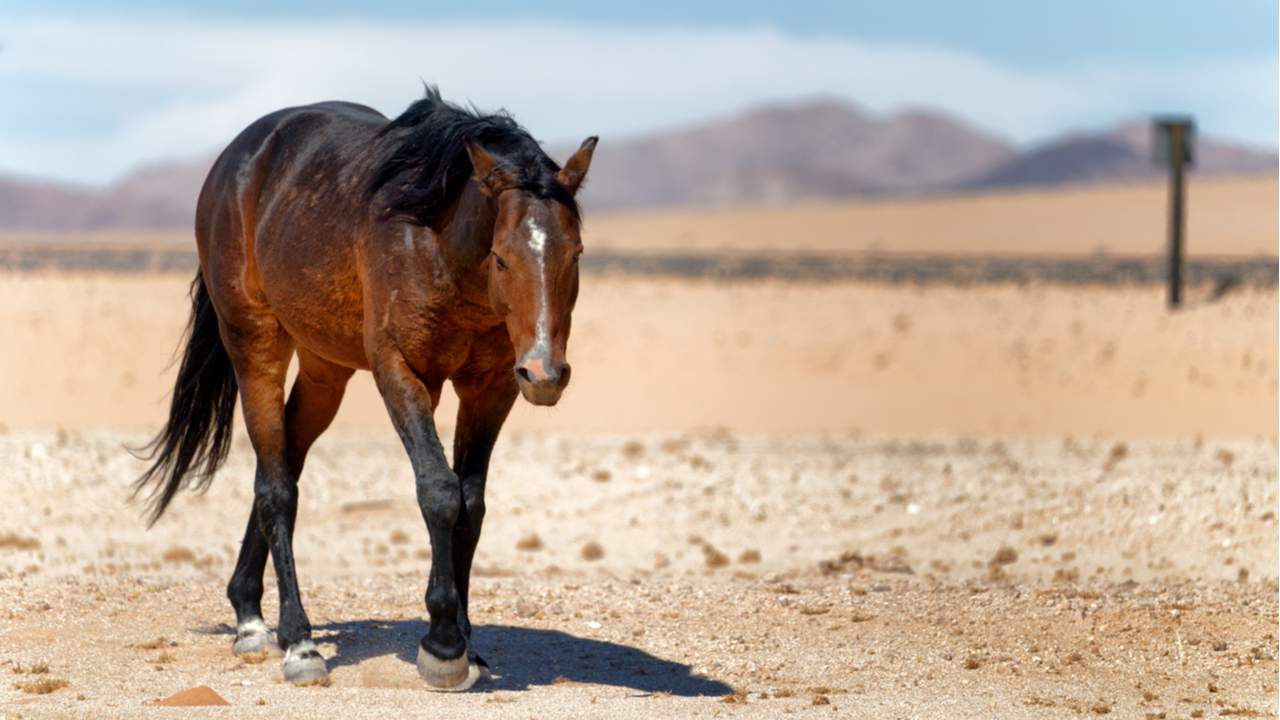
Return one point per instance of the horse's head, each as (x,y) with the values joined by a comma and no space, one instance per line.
(533,266)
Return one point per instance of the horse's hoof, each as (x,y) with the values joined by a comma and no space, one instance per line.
(454,675)
(255,638)
(304,665)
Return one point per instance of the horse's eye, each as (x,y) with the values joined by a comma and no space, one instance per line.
(502,264)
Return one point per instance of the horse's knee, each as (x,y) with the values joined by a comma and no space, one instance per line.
(440,499)
(273,497)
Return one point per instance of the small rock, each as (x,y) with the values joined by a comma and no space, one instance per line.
(1004,556)
(526,608)
(199,696)
(529,543)
(713,557)
(592,551)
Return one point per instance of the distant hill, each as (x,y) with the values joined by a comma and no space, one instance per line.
(781,154)
(1122,154)
(771,155)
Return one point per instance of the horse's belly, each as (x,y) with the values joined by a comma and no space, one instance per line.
(317,297)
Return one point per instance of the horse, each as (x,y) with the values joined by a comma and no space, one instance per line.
(441,245)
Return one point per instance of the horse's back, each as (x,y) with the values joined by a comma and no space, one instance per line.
(276,219)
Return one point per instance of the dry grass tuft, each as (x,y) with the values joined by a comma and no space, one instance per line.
(178,554)
(14,541)
(736,697)
(43,686)
(155,644)
(1239,711)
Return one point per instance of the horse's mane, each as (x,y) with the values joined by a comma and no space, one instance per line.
(426,172)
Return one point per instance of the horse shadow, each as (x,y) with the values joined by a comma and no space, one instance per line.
(525,657)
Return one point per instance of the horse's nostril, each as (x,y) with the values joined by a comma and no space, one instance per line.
(524,374)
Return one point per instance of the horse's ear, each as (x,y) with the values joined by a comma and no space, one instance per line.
(575,169)
(493,177)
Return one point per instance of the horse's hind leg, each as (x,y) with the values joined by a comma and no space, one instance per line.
(245,592)
(313,402)
(260,352)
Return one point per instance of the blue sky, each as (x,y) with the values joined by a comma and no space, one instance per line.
(103,87)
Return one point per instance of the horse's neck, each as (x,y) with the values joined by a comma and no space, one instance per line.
(465,240)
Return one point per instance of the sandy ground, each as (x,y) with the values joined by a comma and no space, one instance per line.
(93,352)
(935,577)
(1225,216)
(850,500)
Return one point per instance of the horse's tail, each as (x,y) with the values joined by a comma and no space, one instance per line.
(197,436)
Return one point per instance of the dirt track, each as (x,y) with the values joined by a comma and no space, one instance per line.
(935,577)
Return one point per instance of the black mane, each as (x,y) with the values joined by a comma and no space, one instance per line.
(424,175)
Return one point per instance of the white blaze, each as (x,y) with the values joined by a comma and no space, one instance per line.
(538,244)
(537,238)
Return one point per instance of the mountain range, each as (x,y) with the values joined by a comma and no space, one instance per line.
(819,150)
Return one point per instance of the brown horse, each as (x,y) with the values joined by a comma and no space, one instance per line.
(442,245)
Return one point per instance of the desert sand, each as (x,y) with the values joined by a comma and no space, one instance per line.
(95,351)
(755,500)
(735,575)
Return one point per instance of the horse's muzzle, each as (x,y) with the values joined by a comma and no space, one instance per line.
(540,382)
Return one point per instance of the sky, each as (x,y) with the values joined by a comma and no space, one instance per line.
(91,90)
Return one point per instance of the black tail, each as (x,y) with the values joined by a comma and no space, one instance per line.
(197,436)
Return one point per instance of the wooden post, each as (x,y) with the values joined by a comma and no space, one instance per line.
(1172,145)
(1177,216)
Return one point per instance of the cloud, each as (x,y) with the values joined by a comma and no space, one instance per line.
(95,97)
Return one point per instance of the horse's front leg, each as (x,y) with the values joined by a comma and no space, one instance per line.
(442,653)
(482,409)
